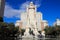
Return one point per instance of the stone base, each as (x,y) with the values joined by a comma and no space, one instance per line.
(31,37)
(26,34)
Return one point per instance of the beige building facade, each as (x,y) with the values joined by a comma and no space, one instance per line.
(32,19)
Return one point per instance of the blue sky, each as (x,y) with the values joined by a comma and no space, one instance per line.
(49,8)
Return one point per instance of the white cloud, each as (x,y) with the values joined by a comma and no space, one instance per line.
(10,12)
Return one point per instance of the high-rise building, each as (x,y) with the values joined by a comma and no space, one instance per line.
(57,22)
(2,4)
(32,19)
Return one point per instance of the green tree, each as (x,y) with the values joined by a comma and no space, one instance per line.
(50,31)
(7,30)
(57,29)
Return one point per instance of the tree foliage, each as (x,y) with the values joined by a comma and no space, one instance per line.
(8,31)
(52,30)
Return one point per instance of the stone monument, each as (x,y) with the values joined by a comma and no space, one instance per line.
(31,21)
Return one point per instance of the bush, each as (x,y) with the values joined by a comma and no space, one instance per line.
(8,31)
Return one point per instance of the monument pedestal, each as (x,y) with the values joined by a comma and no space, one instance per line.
(26,33)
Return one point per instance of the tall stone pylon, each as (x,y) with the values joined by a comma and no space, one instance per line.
(31,19)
